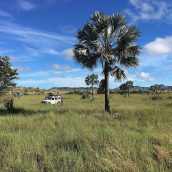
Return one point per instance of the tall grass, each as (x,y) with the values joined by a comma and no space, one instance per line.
(78,136)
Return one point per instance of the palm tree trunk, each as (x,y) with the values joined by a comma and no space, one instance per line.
(107,101)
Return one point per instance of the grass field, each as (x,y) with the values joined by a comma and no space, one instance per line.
(77,136)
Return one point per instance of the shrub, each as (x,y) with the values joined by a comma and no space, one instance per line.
(156,97)
(85,95)
(9,104)
(169,97)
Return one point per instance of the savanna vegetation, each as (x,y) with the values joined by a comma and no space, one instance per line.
(78,136)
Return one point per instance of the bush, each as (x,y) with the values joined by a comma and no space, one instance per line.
(9,104)
(156,97)
(85,95)
(169,97)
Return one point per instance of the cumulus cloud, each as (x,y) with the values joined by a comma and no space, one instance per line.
(149,10)
(26,5)
(160,46)
(145,76)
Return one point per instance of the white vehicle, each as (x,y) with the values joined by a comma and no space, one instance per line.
(52,100)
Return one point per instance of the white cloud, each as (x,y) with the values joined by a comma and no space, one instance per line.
(39,50)
(52,52)
(26,5)
(31,82)
(60,67)
(36,42)
(21,69)
(4,52)
(160,46)
(50,73)
(149,10)
(67,54)
(32,36)
(145,76)
(68,29)
(5,14)
(54,82)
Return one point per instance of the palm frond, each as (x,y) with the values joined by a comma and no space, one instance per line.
(83,56)
(118,73)
(117,21)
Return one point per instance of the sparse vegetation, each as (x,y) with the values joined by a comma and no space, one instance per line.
(77,136)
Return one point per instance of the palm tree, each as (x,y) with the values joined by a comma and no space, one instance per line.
(110,42)
(92,80)
(129,85)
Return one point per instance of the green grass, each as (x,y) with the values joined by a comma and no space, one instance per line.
(78,136)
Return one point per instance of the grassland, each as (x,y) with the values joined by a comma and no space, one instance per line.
(77,136)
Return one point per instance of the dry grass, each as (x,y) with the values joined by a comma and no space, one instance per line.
(78,136)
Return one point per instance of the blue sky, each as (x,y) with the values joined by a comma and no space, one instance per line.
(39,36)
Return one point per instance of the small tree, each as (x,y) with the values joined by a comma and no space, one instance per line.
(129,85)
(92,80)
(123,88)
(155,90)
(7,77)
(101,89)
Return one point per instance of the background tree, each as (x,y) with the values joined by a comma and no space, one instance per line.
(109,41)
(101,88)
(129,85)
(155,89)
(92,80)
(123,88)
(7,77)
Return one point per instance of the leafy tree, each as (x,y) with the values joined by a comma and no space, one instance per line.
(110,42)
(7,74)
(155,89)
(129,85)
(7,77)
(101,88)
(123,88)
(126,87)
(92,80)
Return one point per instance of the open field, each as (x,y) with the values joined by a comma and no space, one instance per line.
(78,136)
